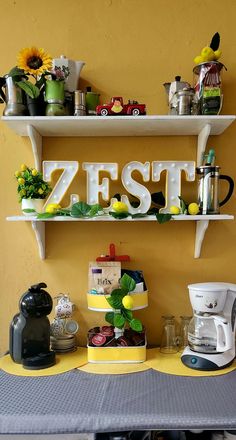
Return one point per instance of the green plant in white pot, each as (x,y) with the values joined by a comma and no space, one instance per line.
(32,189)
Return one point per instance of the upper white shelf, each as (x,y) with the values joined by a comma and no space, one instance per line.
(202,222)
(150,125)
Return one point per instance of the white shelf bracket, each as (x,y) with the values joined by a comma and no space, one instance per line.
(39,230)
(201,227)
(201,143)
(36,143)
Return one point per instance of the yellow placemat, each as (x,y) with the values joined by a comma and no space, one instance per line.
(114,368)
(172,364)
(64,362)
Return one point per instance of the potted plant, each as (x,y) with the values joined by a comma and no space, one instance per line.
(124,340)
(55,91)
(32,189)
(33,66)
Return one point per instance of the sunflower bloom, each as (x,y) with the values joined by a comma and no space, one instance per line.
(34,61)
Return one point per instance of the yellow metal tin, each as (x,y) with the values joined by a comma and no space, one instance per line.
(117,354)
(99,303)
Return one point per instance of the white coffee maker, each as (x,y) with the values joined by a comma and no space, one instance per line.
(211,333)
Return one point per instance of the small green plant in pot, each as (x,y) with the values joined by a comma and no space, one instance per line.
(32,189)
(33,66)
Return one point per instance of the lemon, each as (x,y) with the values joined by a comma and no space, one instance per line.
(21,181)
(34,172)
(175,210)
(128,302)
(193,209)
(120,207)
(52,208)
(17,173)
(23,167)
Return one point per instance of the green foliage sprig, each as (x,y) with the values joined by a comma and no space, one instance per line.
(120,314)
(158,201)
(77,210)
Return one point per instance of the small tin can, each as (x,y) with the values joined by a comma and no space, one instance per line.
(80,105)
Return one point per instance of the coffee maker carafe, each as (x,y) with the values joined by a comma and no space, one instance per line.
(211,334)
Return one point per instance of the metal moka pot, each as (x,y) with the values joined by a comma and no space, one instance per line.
(171,89)
(13,96)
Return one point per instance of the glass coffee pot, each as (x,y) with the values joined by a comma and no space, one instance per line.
(209,334)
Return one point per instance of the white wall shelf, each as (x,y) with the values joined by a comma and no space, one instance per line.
(89,126)
(202,222)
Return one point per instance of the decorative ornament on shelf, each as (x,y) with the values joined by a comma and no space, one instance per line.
(211,52)
(117,107)
(32,189)
(208,99)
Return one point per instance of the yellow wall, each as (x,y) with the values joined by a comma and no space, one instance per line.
(131,47)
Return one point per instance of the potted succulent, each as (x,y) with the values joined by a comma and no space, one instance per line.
(32,189)
(55,91)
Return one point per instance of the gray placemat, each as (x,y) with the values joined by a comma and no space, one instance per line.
(82,402)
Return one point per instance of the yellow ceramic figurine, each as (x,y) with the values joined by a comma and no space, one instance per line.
(210,53)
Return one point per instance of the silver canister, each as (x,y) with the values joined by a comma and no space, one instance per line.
(14,97)
(80,104)
(184,101)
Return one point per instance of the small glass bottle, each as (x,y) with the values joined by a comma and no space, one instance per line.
(169,340)
(183,331)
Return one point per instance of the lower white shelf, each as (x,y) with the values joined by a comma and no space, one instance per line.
(202,223)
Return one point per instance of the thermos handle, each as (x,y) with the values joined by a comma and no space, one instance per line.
(231,188)
(2,94)
(222,329)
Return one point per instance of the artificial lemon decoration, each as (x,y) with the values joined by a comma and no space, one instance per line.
(128,302)
(23,167)
(17,174)
(34,172)
(175,210)
(21,181)
(193,209)
(120,207)
(52,208)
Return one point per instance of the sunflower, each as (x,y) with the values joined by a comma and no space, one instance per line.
(34,61)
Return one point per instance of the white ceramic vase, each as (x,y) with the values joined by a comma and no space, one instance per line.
(36,204)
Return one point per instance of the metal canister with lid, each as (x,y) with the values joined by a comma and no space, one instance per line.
(80,105)
(184,101)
